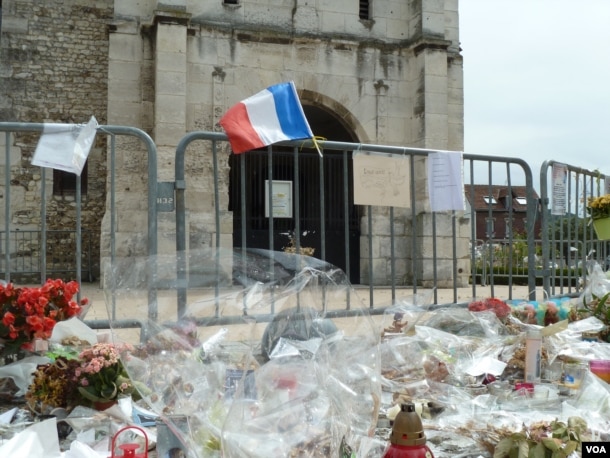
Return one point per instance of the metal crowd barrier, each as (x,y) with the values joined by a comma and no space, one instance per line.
(443,228)
(501,253)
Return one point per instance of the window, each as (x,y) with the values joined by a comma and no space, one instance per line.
(508,227)
(365,10)
(64,183)
(490,200)
(490,228)
(230,2)
(521,200)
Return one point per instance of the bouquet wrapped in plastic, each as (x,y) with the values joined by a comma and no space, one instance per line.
(256,353)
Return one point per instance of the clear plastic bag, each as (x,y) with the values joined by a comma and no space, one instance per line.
(597,283)
(264,358)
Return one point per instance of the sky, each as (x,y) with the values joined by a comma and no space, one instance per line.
(537,80)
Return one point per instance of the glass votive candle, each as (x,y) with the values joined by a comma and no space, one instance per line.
(573,374)
(541,391)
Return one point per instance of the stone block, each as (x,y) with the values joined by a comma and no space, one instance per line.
(338,6)
(166,242)
(170,62)
(436,104)
(170,109)
(126,48)
(380,226)
(306,18)
(169,133)
(172,83)
(123,113)
(444,247)
(333,21)
(379,272)
(12,24)
(365,250)
(128,244)
(434,23)
(199,202)
(127,91)
(120,72)
(133,220)
(171,38)
(402,247)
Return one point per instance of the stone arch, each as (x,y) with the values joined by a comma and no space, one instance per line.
(331,113)
(327,119)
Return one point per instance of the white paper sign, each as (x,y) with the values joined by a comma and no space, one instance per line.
(65,146)
(558,183)
(446,181)
(381,179)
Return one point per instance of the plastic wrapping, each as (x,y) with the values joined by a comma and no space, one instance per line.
(476,395)
(593,404)
(270,355)
(462,322)
(273,354)
(597,283)
(405,313)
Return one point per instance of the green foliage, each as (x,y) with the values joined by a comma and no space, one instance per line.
(62,352)
(502,275)
(599,307)
(345,450)
(543,440)
(571,225)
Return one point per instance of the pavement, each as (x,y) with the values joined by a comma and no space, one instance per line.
(133,305)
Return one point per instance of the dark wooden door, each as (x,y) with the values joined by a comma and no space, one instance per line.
(300,171)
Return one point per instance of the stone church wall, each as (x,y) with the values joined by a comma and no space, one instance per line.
(174,66)
(54,68)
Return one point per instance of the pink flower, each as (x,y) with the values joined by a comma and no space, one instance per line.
(101,368)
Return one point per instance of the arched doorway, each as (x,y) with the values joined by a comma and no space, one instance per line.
(255,165)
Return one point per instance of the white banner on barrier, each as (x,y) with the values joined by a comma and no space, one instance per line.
(558,184)
(65,146)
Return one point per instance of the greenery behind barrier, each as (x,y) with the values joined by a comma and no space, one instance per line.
(503,275)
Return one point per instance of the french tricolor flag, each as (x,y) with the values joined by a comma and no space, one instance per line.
(270,116)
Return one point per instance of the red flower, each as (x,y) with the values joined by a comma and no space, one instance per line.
(27,313)
(13,333)
(35,323)
(8,319)
(499,307)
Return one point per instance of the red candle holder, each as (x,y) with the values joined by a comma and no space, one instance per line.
(129,449)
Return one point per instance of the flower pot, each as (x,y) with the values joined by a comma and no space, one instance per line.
(602,228)
(103,405)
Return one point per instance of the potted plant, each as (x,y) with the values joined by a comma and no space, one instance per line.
(101,376)
(53,386)
(599,307)
(29,313)
(599,210)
